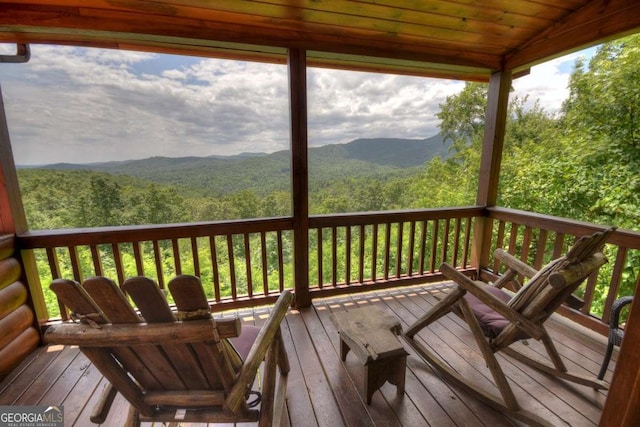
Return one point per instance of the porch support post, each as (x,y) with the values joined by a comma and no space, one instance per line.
(623,400)
(492,145)
(299,173)
(13,219)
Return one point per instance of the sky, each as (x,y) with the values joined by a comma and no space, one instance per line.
(83,105)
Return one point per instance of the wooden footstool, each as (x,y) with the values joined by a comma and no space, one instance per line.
(372,334)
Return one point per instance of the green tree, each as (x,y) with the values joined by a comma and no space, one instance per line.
(104,203)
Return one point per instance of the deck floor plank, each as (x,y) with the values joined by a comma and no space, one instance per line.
(584,404)
(344,386)
(324,391)
(325,407)
(43,382)
(439,340)
(22,377)
(524,379)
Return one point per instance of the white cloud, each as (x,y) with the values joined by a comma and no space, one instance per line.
(549,82)
(87,105)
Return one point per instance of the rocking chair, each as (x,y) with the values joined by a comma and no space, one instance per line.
(497,319)
(182,366)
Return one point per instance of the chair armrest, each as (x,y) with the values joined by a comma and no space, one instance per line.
(616,309)
(496,304)
(258,351)
(514,263)
(127,334)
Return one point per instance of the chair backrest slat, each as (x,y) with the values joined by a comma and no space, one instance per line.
(154,308)
(538,299)
(222,361)
(163,376)
(86,310)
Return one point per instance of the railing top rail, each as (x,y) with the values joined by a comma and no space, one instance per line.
(141,233)
(382,217)
(625,238)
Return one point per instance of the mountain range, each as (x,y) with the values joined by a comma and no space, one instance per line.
(219,175)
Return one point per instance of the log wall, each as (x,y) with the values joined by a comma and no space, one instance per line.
(18,335)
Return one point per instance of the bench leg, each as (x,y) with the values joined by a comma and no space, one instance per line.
(344,350)
(399,374)
(378,372)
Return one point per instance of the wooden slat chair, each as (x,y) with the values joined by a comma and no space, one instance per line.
(497,318)
(174,366)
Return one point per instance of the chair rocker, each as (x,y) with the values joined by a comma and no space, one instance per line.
(498,319)
(174,366)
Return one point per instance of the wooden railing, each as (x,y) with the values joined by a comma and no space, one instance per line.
(241,263)
(384,249)
(537,239)
(249,262)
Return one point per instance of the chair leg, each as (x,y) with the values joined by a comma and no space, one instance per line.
(101,410)
(133,417)
(492,363)
(605,362)
(440,309)
(553,352)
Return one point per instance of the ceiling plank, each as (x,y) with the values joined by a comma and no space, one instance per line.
(596,22)
(128,27)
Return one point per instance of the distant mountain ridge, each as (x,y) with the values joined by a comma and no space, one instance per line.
(219,175)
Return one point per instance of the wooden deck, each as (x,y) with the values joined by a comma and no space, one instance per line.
(323,391)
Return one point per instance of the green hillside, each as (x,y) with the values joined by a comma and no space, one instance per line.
(218,176)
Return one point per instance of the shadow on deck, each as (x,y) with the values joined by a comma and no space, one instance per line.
(325,392)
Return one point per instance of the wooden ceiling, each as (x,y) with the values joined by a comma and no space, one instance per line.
(466,39)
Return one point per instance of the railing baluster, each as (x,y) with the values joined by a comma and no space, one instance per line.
(334,256)
(499,244)
(95,257)
(232,267)
(247,261)
(263,254)
(412,231)
(320,259)
(54,264)
(387,250)
(214,267)
(194,254)
(138,257)
(456,242)
(75,263)
(423,238)
(280,262)
(347,261)
(445,241)
(176,256)
(467,242)
(399,250)
(526,245)
(374,253)
(434,246)
(589,293)
(117,259)
(513,238)
(612,293)
(158,261)
(540,250)
(558,247)
(361,256)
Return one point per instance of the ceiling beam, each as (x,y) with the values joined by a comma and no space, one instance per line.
(598,21)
